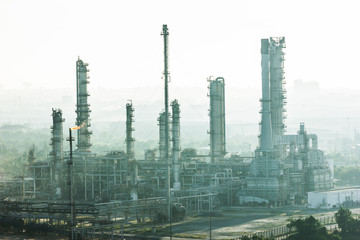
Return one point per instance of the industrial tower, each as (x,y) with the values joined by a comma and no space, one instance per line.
(165,35)
(285,167)
(217,118)
(162,137)
(266,143)
(132,166)
(176,143)
(277,90)
(267,179)
(129,130)
(57,149)
(82,107)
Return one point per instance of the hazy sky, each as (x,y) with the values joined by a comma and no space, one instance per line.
(40,41)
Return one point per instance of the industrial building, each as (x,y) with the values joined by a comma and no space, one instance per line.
(334,198)
(285,167)
(282,171)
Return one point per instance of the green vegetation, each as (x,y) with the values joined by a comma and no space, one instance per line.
(310,229)
(348,175)
(346,222)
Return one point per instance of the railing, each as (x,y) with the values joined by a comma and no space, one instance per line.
(282,232)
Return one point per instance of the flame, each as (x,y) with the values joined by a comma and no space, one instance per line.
(78,127)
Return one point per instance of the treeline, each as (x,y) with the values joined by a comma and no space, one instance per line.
(310,228)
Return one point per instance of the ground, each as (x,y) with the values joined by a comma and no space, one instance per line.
(233,222)
(226,223)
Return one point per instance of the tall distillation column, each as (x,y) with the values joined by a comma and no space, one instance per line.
(277,90)
(217,118)
(266,127)
(162,141)
(176,143)
(165,34)
(82,107)
(129,130)
(57,149)
(130,151)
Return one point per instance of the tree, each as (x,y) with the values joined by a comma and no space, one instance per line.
(309,229)
(345,221)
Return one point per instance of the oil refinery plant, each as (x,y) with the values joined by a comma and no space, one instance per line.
(78,185)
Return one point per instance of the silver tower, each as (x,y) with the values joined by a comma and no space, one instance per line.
(57,148)
(217,118)
(277,90)
(176,143)
(266,127)
(162,137)
(129,130)
(267,180)
(82,107)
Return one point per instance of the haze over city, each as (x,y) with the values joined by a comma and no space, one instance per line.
(229,118)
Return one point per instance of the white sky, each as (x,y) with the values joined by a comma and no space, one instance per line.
(40,41)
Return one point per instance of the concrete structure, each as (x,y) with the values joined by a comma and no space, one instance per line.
(334,198)
(57,149)
(176,143)
(217,118)
(82,107)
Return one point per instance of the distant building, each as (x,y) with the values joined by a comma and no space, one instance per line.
(334,198)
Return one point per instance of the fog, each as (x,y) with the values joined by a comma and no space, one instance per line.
(121,41)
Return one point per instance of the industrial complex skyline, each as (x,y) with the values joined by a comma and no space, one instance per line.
(214,64)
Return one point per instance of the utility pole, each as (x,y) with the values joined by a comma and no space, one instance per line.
(165,33)
(69,183)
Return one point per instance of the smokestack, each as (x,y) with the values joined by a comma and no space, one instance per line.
(217,118)
(82,107)
(266,131)
(57,148)
(176,143)
(129,129)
